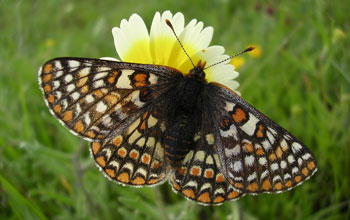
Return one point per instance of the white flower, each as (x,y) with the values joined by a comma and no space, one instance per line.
(134,44)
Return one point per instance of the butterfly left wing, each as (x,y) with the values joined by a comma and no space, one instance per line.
(135,156)
(94,98)
(256,154)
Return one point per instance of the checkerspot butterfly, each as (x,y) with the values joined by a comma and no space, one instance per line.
(150,123)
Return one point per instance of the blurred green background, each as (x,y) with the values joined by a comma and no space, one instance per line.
(301,80)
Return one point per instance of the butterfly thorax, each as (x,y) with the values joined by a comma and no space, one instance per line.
(183,118)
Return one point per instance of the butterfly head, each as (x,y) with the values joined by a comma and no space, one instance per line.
(198,71)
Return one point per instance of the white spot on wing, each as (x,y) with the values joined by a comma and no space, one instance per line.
(251,177)
(73,64)
(101,107)
(124,80)
(229,106)
(249,160)
(98,84)
(70,88)
(89,98)
(153,79)
(250,125)
(231,132)
(68,78)
(210,139)
(274,166)
(262,161)
(237,166)
(199,156)
(296,147)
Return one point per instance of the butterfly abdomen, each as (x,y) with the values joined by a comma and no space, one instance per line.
(179,139)
(182,124)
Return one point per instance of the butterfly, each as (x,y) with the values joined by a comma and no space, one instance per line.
(149,123)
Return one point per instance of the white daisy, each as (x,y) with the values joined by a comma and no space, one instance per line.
(134,44)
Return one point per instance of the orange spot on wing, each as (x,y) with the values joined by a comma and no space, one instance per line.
(111,99)
(110,173)
(189,193)
(156,165)
(238,185)
(204,197)
(272,157)
(289,183)
(82,81)
(111,79)
(143,125)
(47,78)
(67,116)
(311,165)
(208,174)
(121,152)
(260,131)
(239,115)
(140,79)
(305,171)
(220,178)
(297,178)
(218,199)
(91,134)
(47,88)
(260,152)
(278,186)
(266,185)
(57,108)
(233,195)
(138,181)
(98,93)
(155,180)
(51,98)
(176,186)
(145,159)
(134,155)
(253,187)
(247,147)
(181,171)
(101,161)
(195,171)
(117,141)
(79,127)
(95,147)
(124,177)
(47,68)
(279,152)
(84,89)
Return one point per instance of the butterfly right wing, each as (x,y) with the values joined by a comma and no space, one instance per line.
(96,98)
(199,177)
(257,155)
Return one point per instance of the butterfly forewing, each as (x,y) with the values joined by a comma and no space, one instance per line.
(94,98)
(256,154)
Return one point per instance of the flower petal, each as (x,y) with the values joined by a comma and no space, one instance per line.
(194,38)
(162,38)
(109,58)
(132,40)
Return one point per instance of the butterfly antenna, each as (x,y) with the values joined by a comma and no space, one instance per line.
(177,38)
(240,53)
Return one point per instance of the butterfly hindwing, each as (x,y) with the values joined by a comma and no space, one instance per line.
(135,156)
(256,154)
(199,176)
(93,98)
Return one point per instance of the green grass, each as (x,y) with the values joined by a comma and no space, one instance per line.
(302,81)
